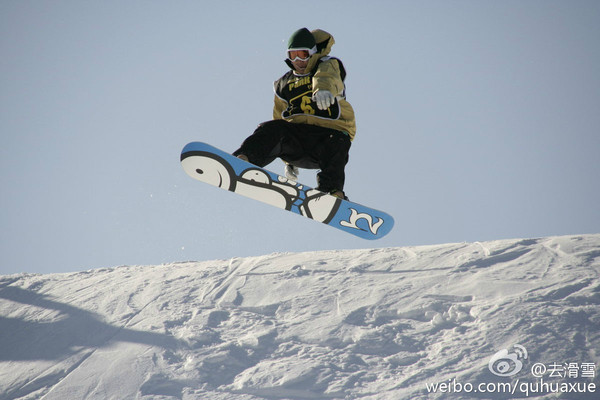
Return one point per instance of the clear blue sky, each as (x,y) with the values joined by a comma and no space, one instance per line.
(477,120)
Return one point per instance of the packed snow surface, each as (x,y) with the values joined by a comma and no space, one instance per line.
(357,324)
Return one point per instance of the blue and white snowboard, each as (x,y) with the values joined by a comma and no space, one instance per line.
(208,164)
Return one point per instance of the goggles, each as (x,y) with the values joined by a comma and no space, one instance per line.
(295,55)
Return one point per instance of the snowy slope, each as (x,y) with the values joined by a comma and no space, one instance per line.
(359,324)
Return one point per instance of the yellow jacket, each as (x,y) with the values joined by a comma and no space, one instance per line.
(293,93)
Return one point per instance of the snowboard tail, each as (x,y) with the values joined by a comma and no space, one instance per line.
(210,165)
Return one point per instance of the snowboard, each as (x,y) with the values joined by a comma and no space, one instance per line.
(210,165)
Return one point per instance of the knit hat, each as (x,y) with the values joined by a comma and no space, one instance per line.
(302,39)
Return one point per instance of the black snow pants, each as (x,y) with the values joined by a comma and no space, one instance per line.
(302,145)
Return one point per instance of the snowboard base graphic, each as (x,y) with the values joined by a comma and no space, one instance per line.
(210,165)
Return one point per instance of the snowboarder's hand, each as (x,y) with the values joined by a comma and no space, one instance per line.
(291,172)
(324,99)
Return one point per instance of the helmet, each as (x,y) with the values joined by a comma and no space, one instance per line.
(301,45)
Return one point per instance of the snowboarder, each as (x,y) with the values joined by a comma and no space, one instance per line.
(313,125)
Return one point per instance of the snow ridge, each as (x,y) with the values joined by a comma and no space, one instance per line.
(355,324)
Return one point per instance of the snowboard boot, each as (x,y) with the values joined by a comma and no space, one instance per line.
(339,194)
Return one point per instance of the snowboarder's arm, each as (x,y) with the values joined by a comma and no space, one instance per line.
(328,78)
(279,104)
(279,107)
